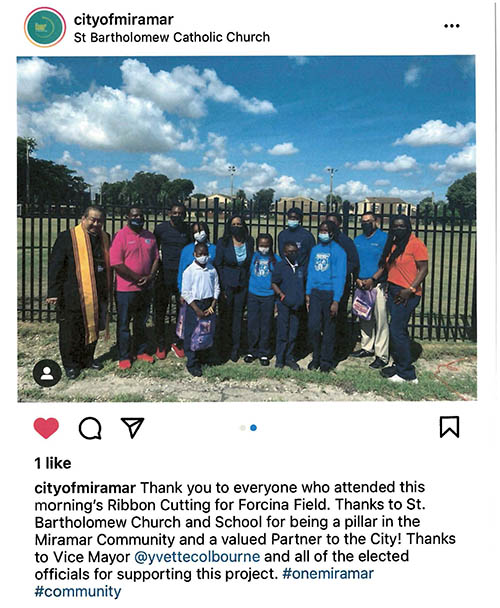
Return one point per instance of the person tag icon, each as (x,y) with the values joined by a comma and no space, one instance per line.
(47,373)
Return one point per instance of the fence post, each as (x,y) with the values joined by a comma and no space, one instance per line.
(216,219)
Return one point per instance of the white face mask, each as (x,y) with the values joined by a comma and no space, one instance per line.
(200,236)
(202,259)
(264,250)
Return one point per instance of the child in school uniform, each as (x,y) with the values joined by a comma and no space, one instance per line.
(288,281)
(200,290)
(260,303)
(325,285)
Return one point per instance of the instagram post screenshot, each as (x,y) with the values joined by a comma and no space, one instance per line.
(252,356)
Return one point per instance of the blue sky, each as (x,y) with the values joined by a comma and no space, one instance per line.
(392,126)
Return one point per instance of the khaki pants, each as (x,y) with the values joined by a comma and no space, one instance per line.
(375,332)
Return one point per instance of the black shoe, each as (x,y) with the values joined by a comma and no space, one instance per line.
(378,363)
(95,365)
(72,372)
(325,368)
(361,354)
(293,365)
(234,356)
(312,365)
(279,366)
(249,358)
(264,361)
(388,372)
(195,371)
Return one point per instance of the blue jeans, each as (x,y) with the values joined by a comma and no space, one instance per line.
(398,332)
(132,306)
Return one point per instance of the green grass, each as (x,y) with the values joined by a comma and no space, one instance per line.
(168,381)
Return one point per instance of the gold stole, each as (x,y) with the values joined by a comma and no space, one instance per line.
(85,276)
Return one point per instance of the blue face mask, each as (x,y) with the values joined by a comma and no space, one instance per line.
(136,222)
(293,224)
(324,238)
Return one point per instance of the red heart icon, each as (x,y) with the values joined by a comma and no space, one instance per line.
(46,428)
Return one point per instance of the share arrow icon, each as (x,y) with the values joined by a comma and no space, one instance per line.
(133,425)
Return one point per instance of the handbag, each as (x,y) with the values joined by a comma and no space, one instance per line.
(363,303)
(181,322)
(203,334)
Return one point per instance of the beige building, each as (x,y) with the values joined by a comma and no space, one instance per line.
(383,205)
(308,205)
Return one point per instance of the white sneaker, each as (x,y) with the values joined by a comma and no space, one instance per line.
(397,378)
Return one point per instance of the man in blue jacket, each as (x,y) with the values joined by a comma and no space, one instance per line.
(324,288)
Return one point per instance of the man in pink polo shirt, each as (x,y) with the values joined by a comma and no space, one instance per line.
(134,257)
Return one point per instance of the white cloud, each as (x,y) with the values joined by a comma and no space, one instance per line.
(299,59)
(455,164)
(352,190)
(184,90)
(284,149)
(257,176)
(214,159)
(211,187)
(400,163)
(412,75)
(68,160)
(107,119)
(412,196)
(382,182)
(314,178)
(285,185)
(31,77)
(437,132)
(166,165)
(251,149)
(98,175)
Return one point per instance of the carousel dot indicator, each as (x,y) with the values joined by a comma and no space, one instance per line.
(253,427)
(243,427)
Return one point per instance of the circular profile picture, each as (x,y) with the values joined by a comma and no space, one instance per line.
(44,26)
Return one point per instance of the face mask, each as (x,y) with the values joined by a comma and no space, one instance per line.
(324,238)
(367,228)
(238,231)
(177,221)
(292,258)
(202,259)
(264,250)
(200,236)
(400,233)
(293,224)
(136,222)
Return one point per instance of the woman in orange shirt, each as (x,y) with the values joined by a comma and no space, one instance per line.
(405,260)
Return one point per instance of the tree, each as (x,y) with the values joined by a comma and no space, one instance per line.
(45,182)
(239,201)
(334,199)
(461,196)
(262,200)
(179,190)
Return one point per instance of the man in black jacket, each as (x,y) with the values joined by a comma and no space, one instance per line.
(344,338)
(172,237)
(79,283)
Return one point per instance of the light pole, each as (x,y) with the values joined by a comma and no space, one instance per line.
(232,171)
(331,171)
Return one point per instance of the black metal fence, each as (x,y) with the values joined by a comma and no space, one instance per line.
(448,307)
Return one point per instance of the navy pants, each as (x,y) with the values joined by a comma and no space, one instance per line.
(193,357)
(398,332)
(286,333)
(165,288)
(260,319)
(343,341)
(321,327)
(132,306)
(234,305)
